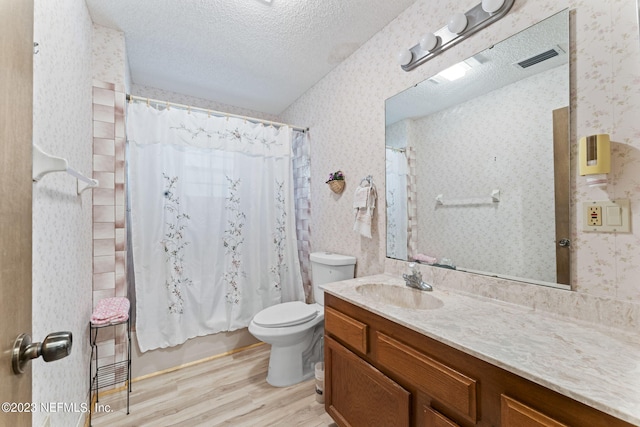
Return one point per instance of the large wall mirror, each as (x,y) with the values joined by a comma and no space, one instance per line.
(477,161)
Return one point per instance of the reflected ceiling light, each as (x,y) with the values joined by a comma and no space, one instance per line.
(455,72)
(459,27)
(474,61)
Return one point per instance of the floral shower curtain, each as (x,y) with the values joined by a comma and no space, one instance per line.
(212,222)
(397,215)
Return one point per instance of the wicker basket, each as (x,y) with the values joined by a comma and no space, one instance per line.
(336,185)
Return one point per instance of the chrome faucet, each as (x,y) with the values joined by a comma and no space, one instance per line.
(414,280)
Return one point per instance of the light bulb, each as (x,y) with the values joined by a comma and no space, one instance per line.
(429,42)
(405,56)
(457,23)
(492,6)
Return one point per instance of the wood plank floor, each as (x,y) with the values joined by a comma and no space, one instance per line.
(230,390)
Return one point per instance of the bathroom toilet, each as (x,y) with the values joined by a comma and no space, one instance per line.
(294,329)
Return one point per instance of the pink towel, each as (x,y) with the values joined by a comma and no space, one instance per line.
(111,310)
(425,258)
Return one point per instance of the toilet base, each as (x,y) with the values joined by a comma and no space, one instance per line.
(293,364)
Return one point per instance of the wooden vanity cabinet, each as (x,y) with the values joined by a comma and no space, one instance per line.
(379,373)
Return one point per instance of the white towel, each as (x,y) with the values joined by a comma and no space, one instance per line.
(361,196)
(364,214)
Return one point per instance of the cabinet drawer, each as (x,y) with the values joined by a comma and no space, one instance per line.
(451,388)
(517,414)
(348,330)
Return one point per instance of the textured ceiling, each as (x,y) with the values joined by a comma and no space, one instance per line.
(496,69)
(254,54)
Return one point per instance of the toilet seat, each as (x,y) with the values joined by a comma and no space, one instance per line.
(285,314)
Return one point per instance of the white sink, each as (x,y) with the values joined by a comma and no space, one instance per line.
(403,297)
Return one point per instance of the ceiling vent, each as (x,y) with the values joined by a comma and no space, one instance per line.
(541,57)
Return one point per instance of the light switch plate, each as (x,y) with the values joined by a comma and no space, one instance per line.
(613,215)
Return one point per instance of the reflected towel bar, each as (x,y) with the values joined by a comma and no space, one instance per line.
(493,198)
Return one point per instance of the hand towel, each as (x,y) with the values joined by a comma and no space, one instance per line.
(111,311)
(364,214)
(361,197)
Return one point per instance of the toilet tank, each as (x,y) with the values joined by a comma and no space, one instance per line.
(327,267)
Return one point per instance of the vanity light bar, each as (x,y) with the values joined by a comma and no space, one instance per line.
(460,26)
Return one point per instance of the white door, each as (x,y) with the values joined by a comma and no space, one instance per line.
(16,109)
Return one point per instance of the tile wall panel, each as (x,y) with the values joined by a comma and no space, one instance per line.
(109,232)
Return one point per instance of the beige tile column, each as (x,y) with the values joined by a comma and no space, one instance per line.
(109,210)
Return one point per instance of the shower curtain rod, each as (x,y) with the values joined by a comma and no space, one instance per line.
(167,104)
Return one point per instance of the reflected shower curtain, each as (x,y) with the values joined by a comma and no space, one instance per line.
(212,222)
(397,215)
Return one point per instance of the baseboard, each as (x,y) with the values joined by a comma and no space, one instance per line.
(193,350)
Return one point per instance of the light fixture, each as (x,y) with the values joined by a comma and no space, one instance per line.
(457,23)
(404,57)
(492,6)
(429,42)
(594,153)
(459,27)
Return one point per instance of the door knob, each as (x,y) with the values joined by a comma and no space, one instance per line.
(55,346)
(565,243)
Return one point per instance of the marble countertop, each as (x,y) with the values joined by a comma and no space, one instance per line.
(592,364)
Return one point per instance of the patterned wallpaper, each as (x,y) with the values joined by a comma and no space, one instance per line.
(61,218)
(345,112)
(467,161)
(109,57)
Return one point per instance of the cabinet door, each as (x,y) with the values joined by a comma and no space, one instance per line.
(517,414)
(357,394)
(433,418)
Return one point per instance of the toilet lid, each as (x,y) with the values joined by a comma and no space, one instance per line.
(285,314)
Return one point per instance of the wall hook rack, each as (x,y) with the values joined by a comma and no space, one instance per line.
(44,164)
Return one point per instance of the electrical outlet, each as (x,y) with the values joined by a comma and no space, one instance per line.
(594,215)
(607,216)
